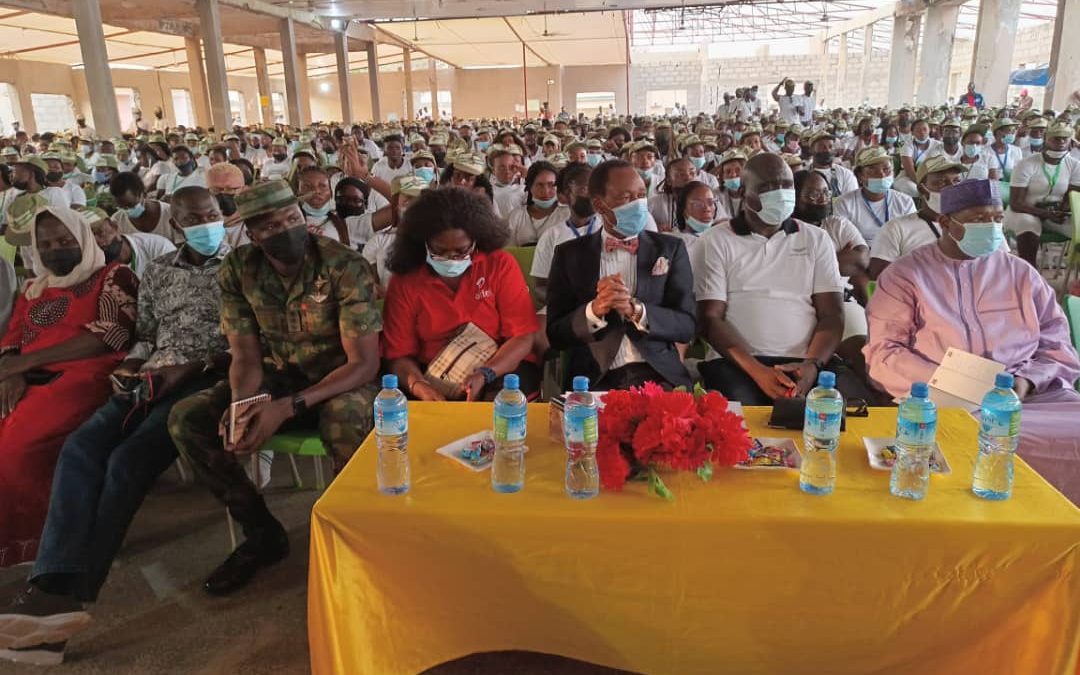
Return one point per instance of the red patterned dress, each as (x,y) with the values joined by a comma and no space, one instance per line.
(32,435)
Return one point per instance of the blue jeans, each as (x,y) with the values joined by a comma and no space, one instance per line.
(105,469)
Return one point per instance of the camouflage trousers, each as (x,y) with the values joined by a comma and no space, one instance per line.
(342,422)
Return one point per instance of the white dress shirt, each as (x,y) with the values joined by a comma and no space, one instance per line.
(622,262)
(870,216)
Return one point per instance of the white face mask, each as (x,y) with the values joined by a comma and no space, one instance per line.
(1056,154)
(934,202)
(776,206)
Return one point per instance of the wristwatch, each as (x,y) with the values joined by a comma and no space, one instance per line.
(488,373)
(639,310)
(299,405)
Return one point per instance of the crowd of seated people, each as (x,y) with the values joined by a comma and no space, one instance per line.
(150,282)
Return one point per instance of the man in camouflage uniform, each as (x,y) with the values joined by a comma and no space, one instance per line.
(299,314)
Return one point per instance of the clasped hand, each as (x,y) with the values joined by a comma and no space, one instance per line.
(612,294)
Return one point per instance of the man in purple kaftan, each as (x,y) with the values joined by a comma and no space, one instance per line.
(963,292)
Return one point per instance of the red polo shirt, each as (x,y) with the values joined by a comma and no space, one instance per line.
(422,313)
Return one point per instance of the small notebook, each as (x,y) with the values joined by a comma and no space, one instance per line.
(236,408)
(962,380)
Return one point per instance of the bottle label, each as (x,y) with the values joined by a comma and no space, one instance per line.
(822,424)
(581,428)
(391,423)
(1000,423)
(911,432)
(509,429)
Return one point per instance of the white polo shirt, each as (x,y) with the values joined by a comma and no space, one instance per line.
(920,154)
(870,216)
(145,248)
(841,180)
(552,237)
(1003,163)
(526,230)
(903,235)
(1036,175)
(767,283)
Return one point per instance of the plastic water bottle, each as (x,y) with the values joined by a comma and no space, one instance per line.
(821,435)
(999,434)
(916,427)
(511,410)
(581,430)
(392,438)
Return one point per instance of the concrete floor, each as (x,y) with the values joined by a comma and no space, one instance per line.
(153,616)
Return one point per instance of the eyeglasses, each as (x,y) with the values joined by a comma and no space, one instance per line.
(453,256)
(817,195)
(701,203)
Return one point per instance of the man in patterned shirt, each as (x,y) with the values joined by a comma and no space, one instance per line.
(108,464)
(299,313)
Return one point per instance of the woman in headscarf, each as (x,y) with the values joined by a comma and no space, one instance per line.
(70,328)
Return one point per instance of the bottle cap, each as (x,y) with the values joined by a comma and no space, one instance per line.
(920,389)
(827,379)
(389,381)
(581,383)
(511,382)
(1004,381)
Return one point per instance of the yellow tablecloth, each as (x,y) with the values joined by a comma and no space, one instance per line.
(745,574)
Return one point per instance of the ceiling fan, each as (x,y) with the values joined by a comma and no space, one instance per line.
(547,33)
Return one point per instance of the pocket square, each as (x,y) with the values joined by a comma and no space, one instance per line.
(661,267)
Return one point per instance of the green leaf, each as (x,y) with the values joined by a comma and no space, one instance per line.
(704,471)
(699,390)
(681,388)
(656,485)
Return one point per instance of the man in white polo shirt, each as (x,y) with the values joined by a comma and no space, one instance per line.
(903,235)
(769,293)
(840,178)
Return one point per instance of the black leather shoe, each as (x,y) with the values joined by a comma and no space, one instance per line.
(240,567)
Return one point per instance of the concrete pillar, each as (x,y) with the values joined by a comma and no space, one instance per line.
(217,82)
(841,73)
(905,47)
(433,83)
(305,88)
(1064,56)
(991,58)
(341,49)
(867,57)
(199,102)
(292,71)
(936,59)
(262,79)
(373,80)
(96,68)
(409,105)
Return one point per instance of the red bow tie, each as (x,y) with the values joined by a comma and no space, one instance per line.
(613,244)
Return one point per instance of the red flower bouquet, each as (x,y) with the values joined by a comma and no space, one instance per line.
(646,428)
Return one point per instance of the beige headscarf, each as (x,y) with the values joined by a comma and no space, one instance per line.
(93,258)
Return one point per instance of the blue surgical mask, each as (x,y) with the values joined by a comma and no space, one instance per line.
(136,211)
(737,135)
(631,218)
(425,173)
(879,186)
(980,239)
(972,150)
(780,138)
(891,140)
(101,177)
(1009,139)
(698,162)
(594,159)
(544,203)
(646,175)
(1035,142)
(776,206)
(482,146)
(320,212)
(205,238)
(697,225)
(733,184)
(449,268)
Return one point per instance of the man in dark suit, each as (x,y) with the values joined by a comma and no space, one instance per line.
(619,300)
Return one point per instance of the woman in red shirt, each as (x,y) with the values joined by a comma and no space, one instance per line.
(449,271)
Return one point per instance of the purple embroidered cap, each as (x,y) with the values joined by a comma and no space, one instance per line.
(969,193)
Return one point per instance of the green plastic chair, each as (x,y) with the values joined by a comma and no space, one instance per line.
(1072,311)
(524,257)
(1072,256)
(1004,188)
(871,286)
(292,444)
